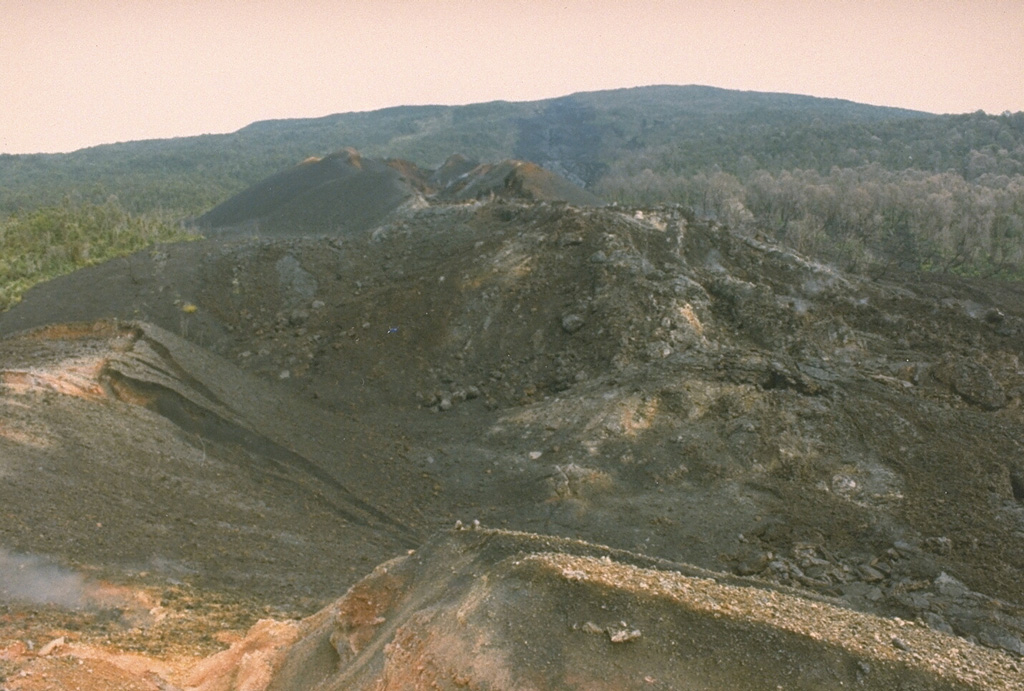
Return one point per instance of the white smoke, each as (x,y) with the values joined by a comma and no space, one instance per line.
(35,580)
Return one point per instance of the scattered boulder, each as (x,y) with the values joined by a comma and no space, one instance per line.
(571,323)
(972,381)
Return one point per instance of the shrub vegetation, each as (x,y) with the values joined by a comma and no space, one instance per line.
(43,243)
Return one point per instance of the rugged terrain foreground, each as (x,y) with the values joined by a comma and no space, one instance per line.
(803,478)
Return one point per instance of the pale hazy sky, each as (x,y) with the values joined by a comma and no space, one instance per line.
(79,73)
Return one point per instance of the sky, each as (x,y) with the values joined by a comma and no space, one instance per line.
(76,73)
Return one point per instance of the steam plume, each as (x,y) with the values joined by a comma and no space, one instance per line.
(32,579)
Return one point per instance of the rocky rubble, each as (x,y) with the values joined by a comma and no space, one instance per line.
(894,582)
(451,615)
(634,378)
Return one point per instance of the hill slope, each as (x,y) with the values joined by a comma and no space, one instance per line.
(493,609)
(641,380)
(345,193)
(338,193)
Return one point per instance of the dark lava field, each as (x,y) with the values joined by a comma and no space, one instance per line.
(483,432)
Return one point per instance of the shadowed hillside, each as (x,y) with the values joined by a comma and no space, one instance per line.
(344,193)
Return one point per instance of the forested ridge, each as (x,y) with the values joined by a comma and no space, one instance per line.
(586,136)
(942,193)
(869,188)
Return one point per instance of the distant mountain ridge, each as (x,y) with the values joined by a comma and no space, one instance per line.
(865,187)
(578,136)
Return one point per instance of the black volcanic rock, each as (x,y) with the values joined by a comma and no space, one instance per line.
(343,192)
(304,408)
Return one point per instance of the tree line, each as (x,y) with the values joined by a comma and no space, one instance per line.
(865,219)
(42,243)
